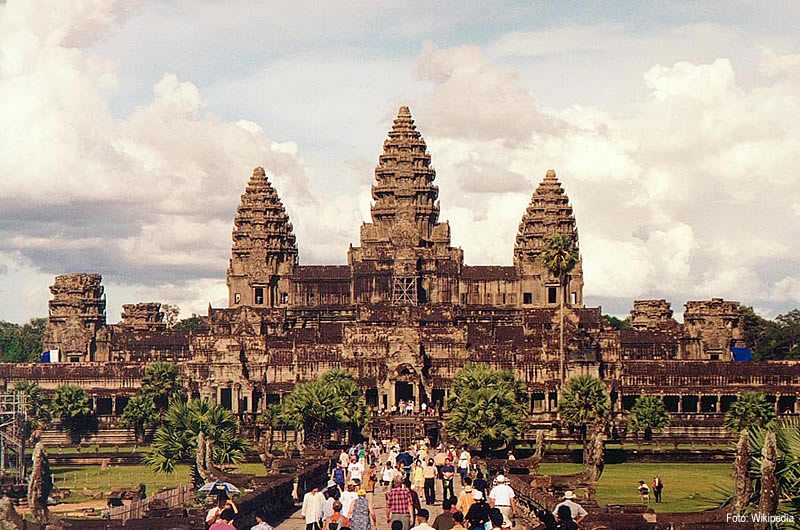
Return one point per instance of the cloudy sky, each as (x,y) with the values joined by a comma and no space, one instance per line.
(129,130)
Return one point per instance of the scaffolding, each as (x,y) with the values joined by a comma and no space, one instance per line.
(13,431)
(404,290)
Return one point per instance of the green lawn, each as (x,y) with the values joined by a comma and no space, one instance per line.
(687,487)
(92,478)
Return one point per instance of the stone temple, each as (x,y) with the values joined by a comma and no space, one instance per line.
(403,316)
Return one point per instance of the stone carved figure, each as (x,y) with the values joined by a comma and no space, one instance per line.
(9,518)
(741,479)
(768,503)
(40,486)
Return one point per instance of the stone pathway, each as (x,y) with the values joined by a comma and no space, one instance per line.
(295,521)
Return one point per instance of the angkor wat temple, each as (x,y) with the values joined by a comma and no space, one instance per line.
(403,316)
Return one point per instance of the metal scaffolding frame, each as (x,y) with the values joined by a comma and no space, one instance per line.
(404,290)
(13,420)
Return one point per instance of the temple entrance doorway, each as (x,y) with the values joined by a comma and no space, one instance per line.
(403,391)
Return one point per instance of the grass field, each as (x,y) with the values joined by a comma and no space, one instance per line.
(687,487)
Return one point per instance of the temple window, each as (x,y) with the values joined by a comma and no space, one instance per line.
(551,295)
(527,298)
(284,298)
(259,291)
(573,297)
(237,298)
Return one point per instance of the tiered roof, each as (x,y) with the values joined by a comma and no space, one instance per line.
(262,233)
(548,213)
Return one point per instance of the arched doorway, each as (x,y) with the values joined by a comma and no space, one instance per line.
(406,384)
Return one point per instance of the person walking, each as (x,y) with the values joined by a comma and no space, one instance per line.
(644,492)
(478,514)
(312,509)
(564,520)
(577,512)
(362,513)
(399,504)
(429,474)
(464,462)
(447,473)
(465,500)
(422,520)
(338,474)
(444,521)
(336,520)
(417,476)
(658,485)
(502,497)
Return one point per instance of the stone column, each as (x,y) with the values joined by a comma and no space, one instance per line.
(718,405)
(680,403)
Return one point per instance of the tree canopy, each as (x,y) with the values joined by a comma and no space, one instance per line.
(584,402)
(772,339)
(648,415)
(486,407)
(750,408)
(22,343)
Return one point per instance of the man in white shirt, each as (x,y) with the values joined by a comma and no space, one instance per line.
(578,513)
(312,508)
(355,470)
(348,497)
(422,520)
(502,497)
(464,461)
(344,458)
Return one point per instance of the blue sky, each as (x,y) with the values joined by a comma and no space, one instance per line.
(132,129)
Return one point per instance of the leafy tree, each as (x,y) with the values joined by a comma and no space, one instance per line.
(175,441)
(584,404)
(161,383)
(778,339)
(272,417)
(71,406)
(22,343)
(187,324)
(560,255)
(322,406)
(139,414)
(486,407)
(750,408)
(616,323)
(37,406)
(648,414)
(171,313)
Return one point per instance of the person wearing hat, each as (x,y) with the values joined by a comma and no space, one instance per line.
(502,497)
(465,500)
(223,502)
(578,513)
(348,496)
(478,513)
(422,520)
(362,514)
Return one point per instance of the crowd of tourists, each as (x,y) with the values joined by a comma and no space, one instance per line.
(411,408)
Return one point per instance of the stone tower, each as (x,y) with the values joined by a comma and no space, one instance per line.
(264,250)
(548,213)
(77,312)
(405,245)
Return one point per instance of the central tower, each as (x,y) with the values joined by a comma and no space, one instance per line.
(405,249)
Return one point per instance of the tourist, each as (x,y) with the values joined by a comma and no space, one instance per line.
(261,522)
(658,485)
(447,472)
(496,519)
(355,469)
(369,482)
(502,497)
(362,514)
(444,521)
(344,458)
(464,461)
(338,474)
(414,495)
(644,492)
(564,520)
(335,521)
(458,521)
(362,455)
(417,476)
(223,503)
(399,504)
(438,458)
(423,408)
(422,520)
(429,473)
(312,508)
(577,512)
(387,474)
(478,513)
(480,483)
(410,408)
(348,496)
(224,521)
(332,495)
(465,500)
(511,456)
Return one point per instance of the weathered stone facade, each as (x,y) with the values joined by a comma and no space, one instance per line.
(405,313)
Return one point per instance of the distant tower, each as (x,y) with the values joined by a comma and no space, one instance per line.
(402,246)
(548,213)
(76,312)
(264,250)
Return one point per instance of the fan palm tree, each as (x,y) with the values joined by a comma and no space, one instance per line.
(161,383)
(485,408)
(787,470)
(648,414)
(36,405)
(750,408)
(272,417)
(584,403)
(560,255)
(71,405)
(175,440)
(140,414)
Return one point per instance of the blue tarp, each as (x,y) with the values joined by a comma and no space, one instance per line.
(742,354)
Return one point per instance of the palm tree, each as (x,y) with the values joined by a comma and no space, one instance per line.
(71,406)
(648,414)
(140,414)
(162,384)
(272,417)
(584,403)
(750,408)
(175,440)
(485,408)
(787,471)
(560,255)
(37,406)
(322,406)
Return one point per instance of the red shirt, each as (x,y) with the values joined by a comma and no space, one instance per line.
(398,500)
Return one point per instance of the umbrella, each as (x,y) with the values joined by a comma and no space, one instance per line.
(219,487)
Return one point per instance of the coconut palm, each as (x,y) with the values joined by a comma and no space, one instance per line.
(485,408)
(648,414)
(322,406)
(750,408)
(175,441)
(71,405)
(139,414)
(584,404)
(560,255)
